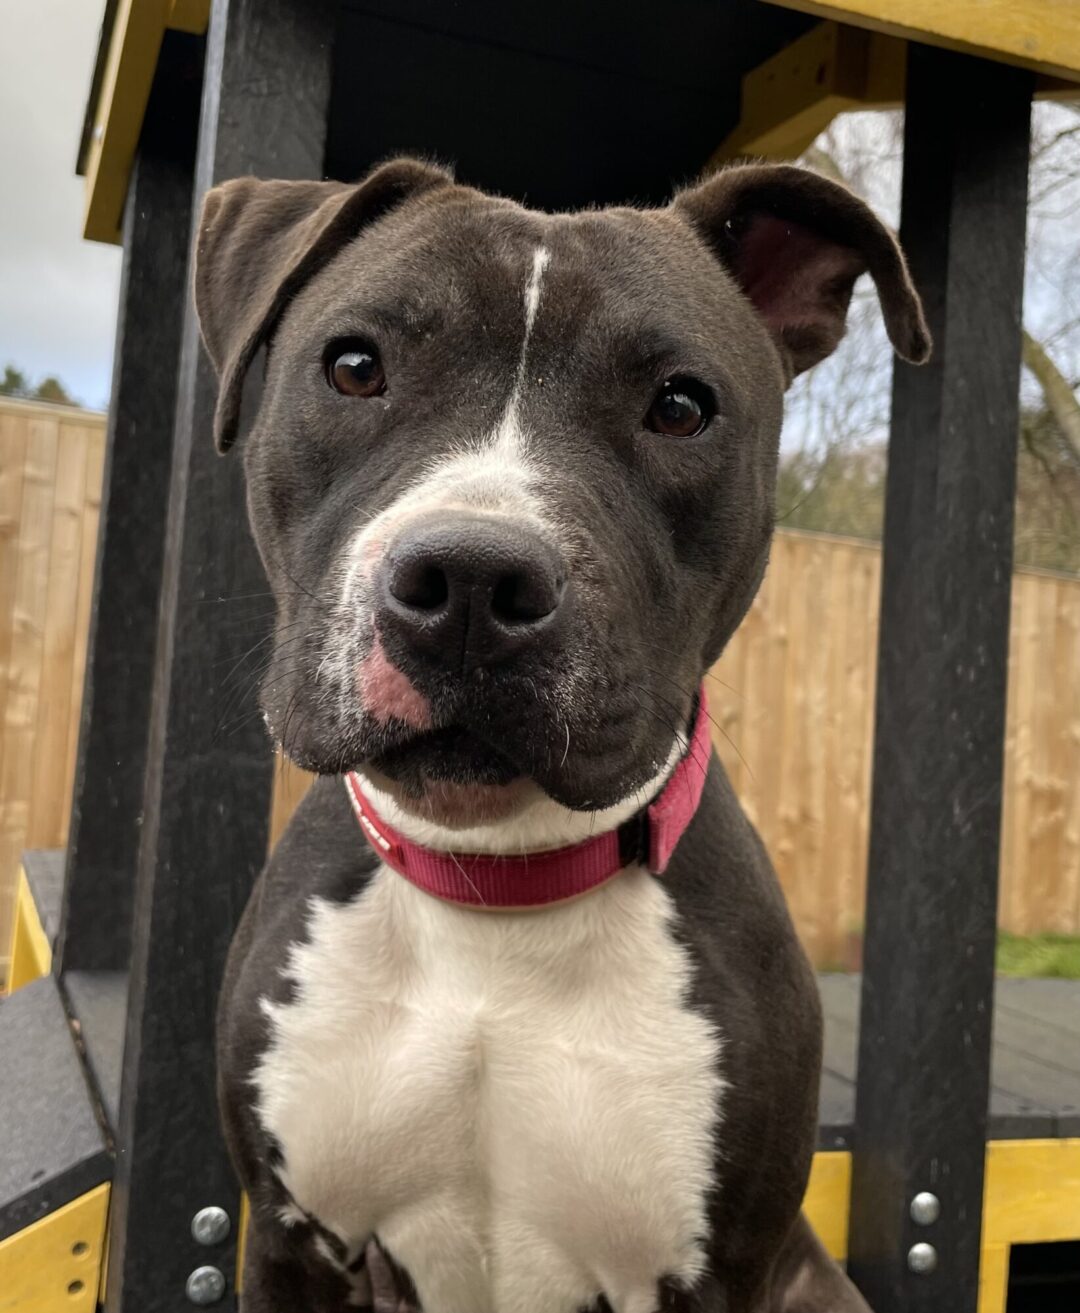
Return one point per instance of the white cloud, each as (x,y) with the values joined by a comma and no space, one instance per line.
(58,293)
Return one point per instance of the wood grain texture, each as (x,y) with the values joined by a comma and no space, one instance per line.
(50,459)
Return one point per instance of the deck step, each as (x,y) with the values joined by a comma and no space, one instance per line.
(53,1148)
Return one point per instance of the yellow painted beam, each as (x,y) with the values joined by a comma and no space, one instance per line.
(134,47)
(1040,34)
(793,96)
(135,44)
(53,1265)
(1032,1191)
(242,1224)
(31,955)
(827,1201)
(189,15)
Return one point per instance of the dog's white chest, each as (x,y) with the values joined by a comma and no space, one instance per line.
(522,1106)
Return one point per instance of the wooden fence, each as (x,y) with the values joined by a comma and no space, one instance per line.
(793,698)
(51,460)
(795,712)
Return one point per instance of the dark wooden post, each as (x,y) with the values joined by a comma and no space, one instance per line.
(95,930)
(265,100)
(927,995)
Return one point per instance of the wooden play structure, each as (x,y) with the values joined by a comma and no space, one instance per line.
(949,1172)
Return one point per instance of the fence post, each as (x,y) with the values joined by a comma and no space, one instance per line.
(264,109)
(927,993)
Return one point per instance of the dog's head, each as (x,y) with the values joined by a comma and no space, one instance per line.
(512,473)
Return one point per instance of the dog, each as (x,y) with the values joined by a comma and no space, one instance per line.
(516,1020)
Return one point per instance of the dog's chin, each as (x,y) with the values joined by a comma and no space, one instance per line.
(452,778)
(458,806)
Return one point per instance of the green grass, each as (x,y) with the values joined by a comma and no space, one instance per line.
(1053,956)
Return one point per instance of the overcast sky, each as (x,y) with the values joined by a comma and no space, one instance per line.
(57,292)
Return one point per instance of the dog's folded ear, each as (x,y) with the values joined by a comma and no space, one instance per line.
(259,242)
(795,243)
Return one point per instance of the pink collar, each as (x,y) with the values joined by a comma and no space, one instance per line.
(541,878)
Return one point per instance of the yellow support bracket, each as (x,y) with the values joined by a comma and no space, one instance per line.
(31,955)
(792,97)
(54,1264)
(834,67)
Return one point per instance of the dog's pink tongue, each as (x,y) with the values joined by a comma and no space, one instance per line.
(387,693)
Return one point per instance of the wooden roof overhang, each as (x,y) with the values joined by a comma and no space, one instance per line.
(854,58)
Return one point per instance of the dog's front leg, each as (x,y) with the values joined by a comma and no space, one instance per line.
(276,1279)
(806,1280)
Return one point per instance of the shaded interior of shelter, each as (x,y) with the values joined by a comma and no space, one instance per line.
(1044,1278)
(563,105)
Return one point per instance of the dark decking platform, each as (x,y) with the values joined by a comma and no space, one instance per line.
(53,1147)
(1035,1069)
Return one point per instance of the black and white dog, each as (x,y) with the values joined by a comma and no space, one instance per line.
(516,1021)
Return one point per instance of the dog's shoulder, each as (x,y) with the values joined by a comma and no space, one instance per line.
(321,856)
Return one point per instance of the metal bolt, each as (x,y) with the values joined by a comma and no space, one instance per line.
(206,1285)
(922,1258)
(925,1208)
(210,1226)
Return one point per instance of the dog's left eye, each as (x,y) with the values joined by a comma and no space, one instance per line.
(354,369)
(681,409)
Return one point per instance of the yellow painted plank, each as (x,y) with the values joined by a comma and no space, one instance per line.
(993,1278)
(241,1240)
(1040,34)
(828,1199)
(1032,1191)
(54,1263)
(31,956)
(189,15)
(137,33)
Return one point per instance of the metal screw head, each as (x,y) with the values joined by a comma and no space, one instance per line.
(210,1226)
(925,1208)
(922,1258)
(206,1285)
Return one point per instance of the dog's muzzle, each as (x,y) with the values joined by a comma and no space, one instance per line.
(468,589)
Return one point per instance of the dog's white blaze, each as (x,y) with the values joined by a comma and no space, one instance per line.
(541,260)
(523,1106)
(496,472)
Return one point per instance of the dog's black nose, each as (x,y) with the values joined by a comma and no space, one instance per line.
(472,589)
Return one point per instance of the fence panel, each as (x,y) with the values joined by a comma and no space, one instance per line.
(51,460)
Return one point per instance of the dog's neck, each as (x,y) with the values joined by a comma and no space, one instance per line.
(539,824)
(547,854)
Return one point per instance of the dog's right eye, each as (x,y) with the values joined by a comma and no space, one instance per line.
(354,369)
(681,409)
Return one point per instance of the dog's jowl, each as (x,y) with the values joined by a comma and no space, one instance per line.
(516,1021)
